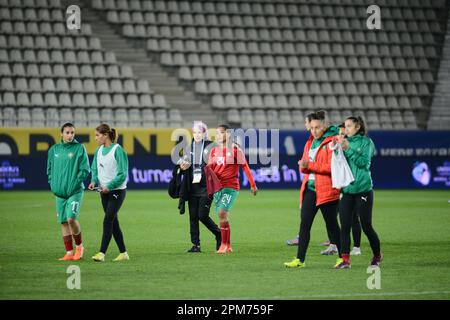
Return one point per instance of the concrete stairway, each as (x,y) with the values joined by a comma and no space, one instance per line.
(440,107)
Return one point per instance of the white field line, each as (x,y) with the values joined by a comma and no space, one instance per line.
(346,295)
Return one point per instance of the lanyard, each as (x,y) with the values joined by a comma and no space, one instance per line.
(201,153)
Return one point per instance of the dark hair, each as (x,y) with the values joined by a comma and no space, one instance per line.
(67,125)
(105,129)
(362,126)
(342,125)
(318,115)
(224,126)
(309,116)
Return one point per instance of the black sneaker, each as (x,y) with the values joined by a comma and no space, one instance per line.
(218,241)
(194,249)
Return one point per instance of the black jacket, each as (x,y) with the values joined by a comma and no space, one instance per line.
(180,186)
(199,189)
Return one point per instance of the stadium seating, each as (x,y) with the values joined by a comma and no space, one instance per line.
(262,57)
(256,62)
(50,75)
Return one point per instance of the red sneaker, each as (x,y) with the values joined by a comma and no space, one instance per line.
(67,256)
(78,253)
(376,261)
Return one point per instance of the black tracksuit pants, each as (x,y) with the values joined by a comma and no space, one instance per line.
(308,213)
(199,212)
(112,202)
(356,231)
(359,205)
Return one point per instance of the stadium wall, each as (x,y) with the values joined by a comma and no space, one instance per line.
(404,159)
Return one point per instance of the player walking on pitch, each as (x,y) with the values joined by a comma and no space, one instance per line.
(67,168)
(357,197)
(317,191)
(225,160)
(199,202)
(109,172)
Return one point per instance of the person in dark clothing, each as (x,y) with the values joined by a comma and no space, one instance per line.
(357,197)
(198,201)
(317,191)
(356,225)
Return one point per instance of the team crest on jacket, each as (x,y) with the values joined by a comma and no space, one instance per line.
(70,155)
(220,161)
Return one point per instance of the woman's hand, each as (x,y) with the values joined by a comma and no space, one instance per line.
(254,190)
(344,144)
(184,165)
(105,191)
(91,186)
(304,164)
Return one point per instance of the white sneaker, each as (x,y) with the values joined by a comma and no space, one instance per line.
(99,257)
(332,249)
(122,257)
(355,251)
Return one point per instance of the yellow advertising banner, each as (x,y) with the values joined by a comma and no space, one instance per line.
(35,141)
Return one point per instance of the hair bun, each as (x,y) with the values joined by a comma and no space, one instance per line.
(319,115)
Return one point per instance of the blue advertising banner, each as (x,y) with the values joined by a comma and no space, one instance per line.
(403,160)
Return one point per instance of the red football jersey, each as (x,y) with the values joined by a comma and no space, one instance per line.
(225,164)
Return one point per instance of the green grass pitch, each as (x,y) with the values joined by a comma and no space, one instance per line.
(413,227)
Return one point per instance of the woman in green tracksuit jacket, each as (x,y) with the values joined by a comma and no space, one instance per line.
(109,173)
(67,168)
(357,197)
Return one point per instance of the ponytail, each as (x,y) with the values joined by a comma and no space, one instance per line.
(112,135)
(106,129)
(362,126)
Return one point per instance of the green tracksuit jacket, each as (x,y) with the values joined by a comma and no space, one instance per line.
(67,168)
(359,157)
